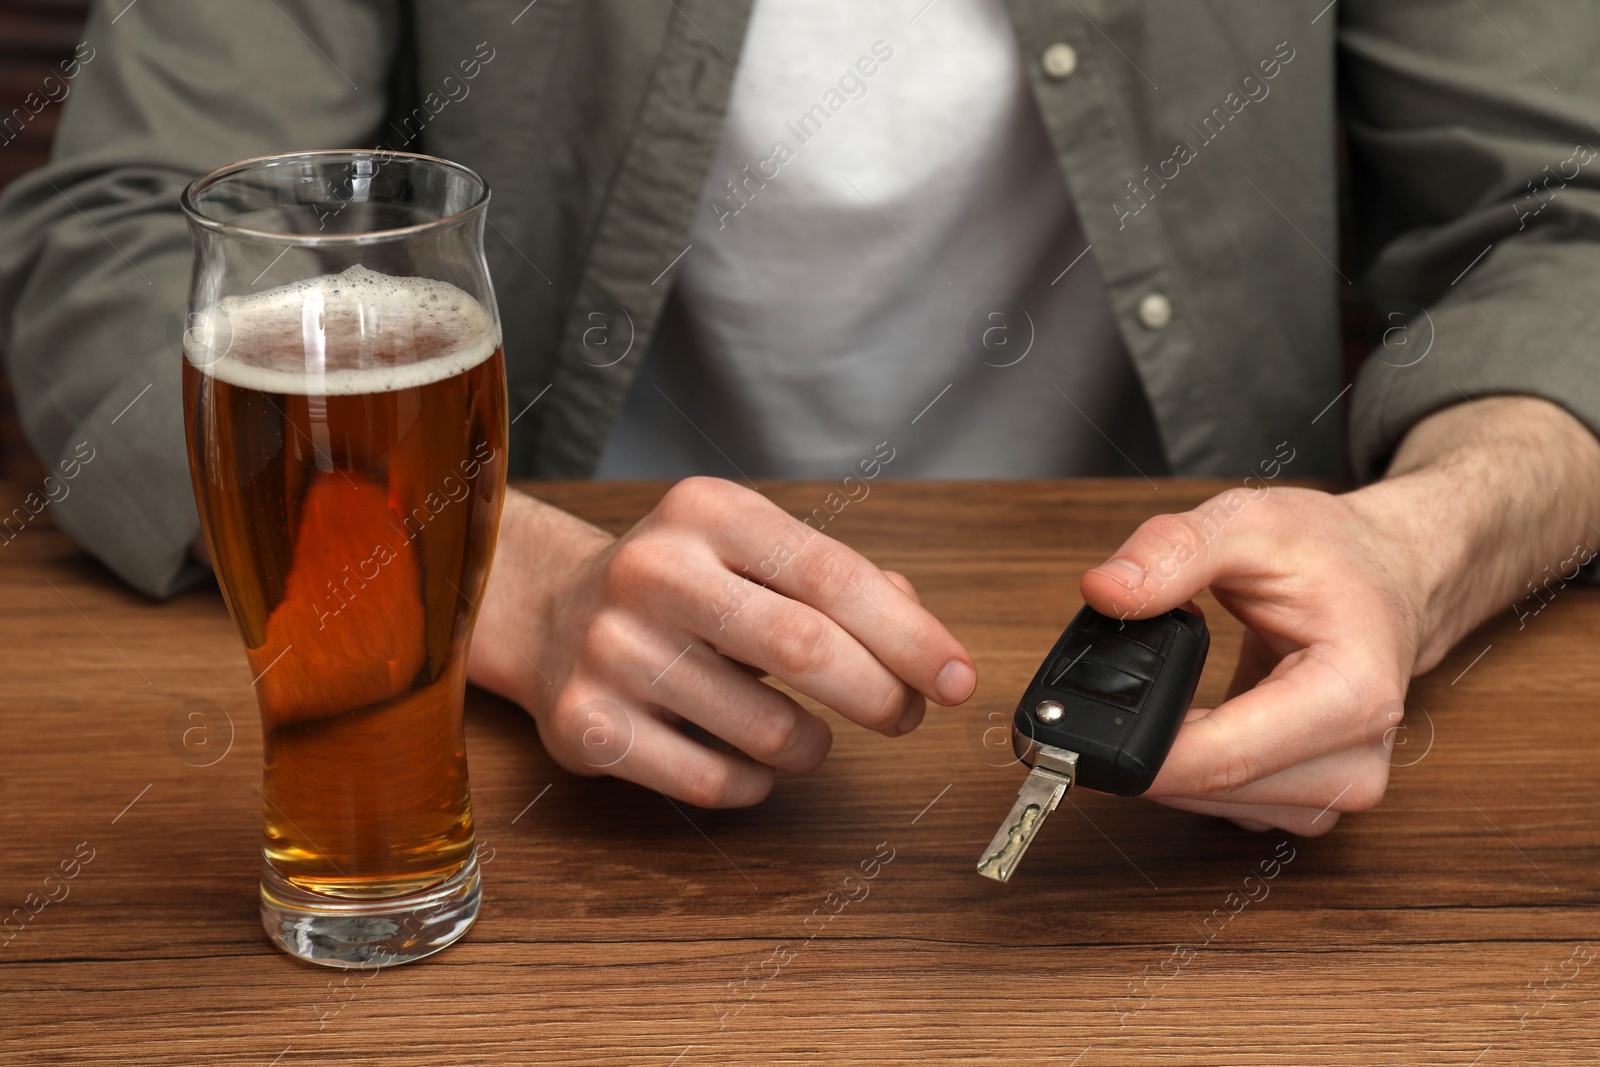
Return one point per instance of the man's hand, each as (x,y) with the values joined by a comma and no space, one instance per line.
(628,652)
(1346,598)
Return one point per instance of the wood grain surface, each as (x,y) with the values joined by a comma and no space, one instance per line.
(1455,924)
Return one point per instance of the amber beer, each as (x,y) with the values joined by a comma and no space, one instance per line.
(347,439)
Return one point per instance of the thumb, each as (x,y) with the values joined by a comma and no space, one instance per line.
(1170,558)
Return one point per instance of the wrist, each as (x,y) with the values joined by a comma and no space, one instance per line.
(1427,527)
(1472,509)
(539,559)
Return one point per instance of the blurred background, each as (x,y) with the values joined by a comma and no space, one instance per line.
(35,35)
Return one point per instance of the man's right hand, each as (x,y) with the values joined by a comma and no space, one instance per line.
(616,645)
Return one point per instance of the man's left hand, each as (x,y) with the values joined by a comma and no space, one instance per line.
(1345,597)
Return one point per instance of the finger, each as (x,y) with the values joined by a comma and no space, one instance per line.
(1354,779)
(1256,661)
(606,735)
(890,623)
(769,546)
(1305,822)
(913,717)
(718,696)
(1301,711)
(665,760)
(680,679)
(1170,558)
(814,655)
(903,584)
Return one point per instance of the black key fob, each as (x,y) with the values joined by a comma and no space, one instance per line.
(1102,712)
(1114,691)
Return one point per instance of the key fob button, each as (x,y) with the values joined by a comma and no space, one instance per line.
(1105,683)
(1130,657)
(1154,634)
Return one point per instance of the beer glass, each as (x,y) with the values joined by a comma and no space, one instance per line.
(345,408)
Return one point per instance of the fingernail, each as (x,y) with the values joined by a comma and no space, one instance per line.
(955,683)
(1123,572)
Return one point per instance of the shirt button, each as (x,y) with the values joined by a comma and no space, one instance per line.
(1059,61)
(1155,311)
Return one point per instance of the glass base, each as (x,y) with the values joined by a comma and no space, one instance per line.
(361,933)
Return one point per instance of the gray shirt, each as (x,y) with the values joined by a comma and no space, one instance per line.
(1198,142)
(885,254)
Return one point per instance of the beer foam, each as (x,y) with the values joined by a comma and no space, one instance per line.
(342,334)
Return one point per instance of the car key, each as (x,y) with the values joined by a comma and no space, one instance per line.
(1102,712)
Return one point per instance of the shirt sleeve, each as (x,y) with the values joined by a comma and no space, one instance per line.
(95,255)
(1477,192)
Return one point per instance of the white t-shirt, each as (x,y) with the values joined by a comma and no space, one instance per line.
(885,251)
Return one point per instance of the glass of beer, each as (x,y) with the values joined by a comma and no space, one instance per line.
(345,406)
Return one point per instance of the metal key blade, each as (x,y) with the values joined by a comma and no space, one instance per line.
(1041,791)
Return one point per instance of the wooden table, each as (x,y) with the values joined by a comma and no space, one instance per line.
(1456,924)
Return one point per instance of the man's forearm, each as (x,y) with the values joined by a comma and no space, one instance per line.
(1488,492)
(538,547)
